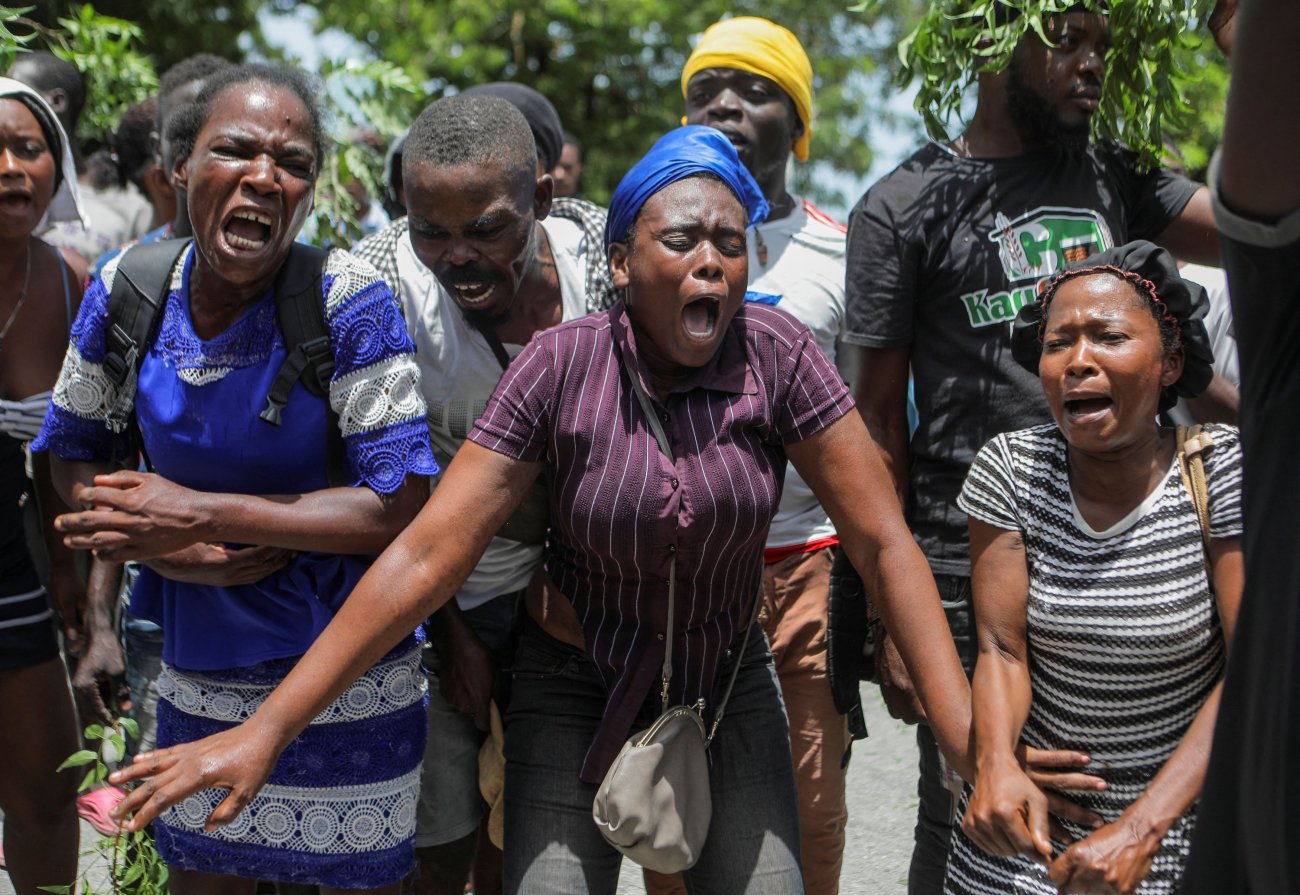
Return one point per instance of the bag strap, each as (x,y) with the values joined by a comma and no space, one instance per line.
(661,437)
(140,288)
(300,311)
(494,342)
(1192,443)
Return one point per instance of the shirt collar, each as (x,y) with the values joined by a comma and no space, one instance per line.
(727,371)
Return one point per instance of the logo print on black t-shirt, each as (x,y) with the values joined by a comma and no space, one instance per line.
(1031,248)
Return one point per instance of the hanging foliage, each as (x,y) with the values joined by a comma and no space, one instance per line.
(1146,82)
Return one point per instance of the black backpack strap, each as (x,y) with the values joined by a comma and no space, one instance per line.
(140,288)
(300,309)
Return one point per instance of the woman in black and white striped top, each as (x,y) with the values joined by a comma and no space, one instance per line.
(1100,628)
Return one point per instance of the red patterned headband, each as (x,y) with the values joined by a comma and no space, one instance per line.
(1140,283)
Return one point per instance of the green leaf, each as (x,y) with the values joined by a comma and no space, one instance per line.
(131,727)
(78,759)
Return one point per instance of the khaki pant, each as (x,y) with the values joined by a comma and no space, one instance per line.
(796,592)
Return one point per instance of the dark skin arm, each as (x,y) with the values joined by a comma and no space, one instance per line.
(136,515)
(842,466)
(102,663)
(1217,404)
(418,573)
(466,668)
(1258,177)
(1193,235)
(1007,813)
(66,589)
(880,377)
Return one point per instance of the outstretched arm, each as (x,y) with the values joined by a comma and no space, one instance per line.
(845,470)
(416,575)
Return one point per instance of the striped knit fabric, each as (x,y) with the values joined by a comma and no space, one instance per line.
(1124,638)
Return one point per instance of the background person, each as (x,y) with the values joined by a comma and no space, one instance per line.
(750,79)
(1103,613)
(483,267)
(340,809)
(37,187)
(113,214)
(567,172)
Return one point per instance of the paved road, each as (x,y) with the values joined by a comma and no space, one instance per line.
(882,810)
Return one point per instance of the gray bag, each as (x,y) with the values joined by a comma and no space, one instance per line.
(654,804)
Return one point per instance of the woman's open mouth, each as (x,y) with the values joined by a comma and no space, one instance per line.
(15,203)
(1084,410)
(248,230)
(700,317)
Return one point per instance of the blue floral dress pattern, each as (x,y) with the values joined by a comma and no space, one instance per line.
(196,403)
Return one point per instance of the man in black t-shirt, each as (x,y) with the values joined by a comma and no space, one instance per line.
(941,254)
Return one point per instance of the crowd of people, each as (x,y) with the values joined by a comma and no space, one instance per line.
(388,551)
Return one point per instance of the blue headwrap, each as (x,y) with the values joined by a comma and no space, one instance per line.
(679,154)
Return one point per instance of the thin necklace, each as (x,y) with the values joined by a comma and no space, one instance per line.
(13,315)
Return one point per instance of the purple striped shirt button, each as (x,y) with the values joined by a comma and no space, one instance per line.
(616,500)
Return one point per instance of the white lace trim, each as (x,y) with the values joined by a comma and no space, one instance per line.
(350,275)
(388,687)
(378,395)
(207,376)
(83,388)
(335,820)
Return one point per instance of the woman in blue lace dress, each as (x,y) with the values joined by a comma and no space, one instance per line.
(249,549)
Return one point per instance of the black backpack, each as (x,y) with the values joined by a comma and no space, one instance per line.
(140,289)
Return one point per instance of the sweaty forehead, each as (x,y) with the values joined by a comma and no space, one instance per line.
(694,202)
(717,78)
(466,192)
(1099,294)
(247,107)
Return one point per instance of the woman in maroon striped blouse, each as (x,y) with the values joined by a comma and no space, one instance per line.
(738,388)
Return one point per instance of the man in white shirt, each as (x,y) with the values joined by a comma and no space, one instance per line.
(480,265)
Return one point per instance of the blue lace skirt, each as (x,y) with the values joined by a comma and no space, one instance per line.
(338,809)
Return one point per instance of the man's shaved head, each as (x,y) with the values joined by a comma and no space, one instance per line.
(475,130)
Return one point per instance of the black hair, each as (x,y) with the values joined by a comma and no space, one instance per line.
(130,149)
(198,67)
(475,129)
(183,129)
(48,72)
(571,139)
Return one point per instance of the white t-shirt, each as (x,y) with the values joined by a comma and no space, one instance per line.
(803,276)
(1218,323)
(458,372)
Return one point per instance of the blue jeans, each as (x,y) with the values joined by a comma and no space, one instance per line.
(142,643)
(552,846)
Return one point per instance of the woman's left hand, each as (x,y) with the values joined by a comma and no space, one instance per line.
(135,515)
(1114,859)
